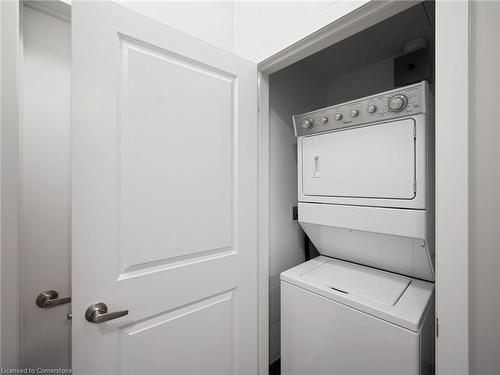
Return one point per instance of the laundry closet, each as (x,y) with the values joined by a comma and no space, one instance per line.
(373,64)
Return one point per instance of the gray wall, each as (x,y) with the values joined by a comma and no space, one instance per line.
(45,187)
(484,225)
(292,90)
(369,80)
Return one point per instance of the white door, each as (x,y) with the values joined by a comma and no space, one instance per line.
(164,199)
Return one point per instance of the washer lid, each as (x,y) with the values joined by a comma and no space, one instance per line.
(405,301)
(372,284)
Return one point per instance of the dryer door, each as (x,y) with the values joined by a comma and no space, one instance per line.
(376,161)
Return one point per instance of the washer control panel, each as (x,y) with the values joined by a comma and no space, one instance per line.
(400,102)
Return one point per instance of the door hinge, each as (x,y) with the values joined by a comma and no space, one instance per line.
(437,327)
(414,132)
(414,186)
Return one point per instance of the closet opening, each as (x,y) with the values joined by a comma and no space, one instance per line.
(394,53)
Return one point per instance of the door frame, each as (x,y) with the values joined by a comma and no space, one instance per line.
(11,49)
(452,296)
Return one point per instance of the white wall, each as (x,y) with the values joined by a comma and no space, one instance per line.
(290,93)
(45,188)
(484,199)
(210,21)
(263,28)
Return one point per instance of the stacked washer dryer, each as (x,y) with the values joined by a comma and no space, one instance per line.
(365,183)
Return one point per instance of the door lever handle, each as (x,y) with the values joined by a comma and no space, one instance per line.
(98,313)
(50,298)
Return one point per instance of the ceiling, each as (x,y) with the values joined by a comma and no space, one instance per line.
(381,41)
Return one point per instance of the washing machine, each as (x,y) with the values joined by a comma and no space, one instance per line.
(366,201)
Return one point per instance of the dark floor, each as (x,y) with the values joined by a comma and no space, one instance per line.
(275,368)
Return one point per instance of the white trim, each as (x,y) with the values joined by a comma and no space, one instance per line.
(263,215)
(10,112)
(20,184)
(452,190)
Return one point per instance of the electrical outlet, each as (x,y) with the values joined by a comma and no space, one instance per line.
(294,212)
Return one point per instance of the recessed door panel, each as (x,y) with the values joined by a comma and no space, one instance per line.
(176,156)
(376,161)
(187,336)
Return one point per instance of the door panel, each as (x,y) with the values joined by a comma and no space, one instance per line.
(195,327)
(176,156)
(164,198)
(376,161)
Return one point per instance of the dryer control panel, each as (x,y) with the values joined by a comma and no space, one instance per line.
(399,102)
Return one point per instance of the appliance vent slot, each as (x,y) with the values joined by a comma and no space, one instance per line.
(338,290)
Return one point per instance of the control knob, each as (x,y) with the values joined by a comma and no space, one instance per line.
(371,108)
(307,124)
(354,113)
(398,102)
(338,116)
(324,120)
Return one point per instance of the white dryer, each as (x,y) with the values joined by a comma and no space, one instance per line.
(365,183)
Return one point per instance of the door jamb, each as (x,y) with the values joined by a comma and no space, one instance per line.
(11,49)
(452,186)
(451,88)
(263,221)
